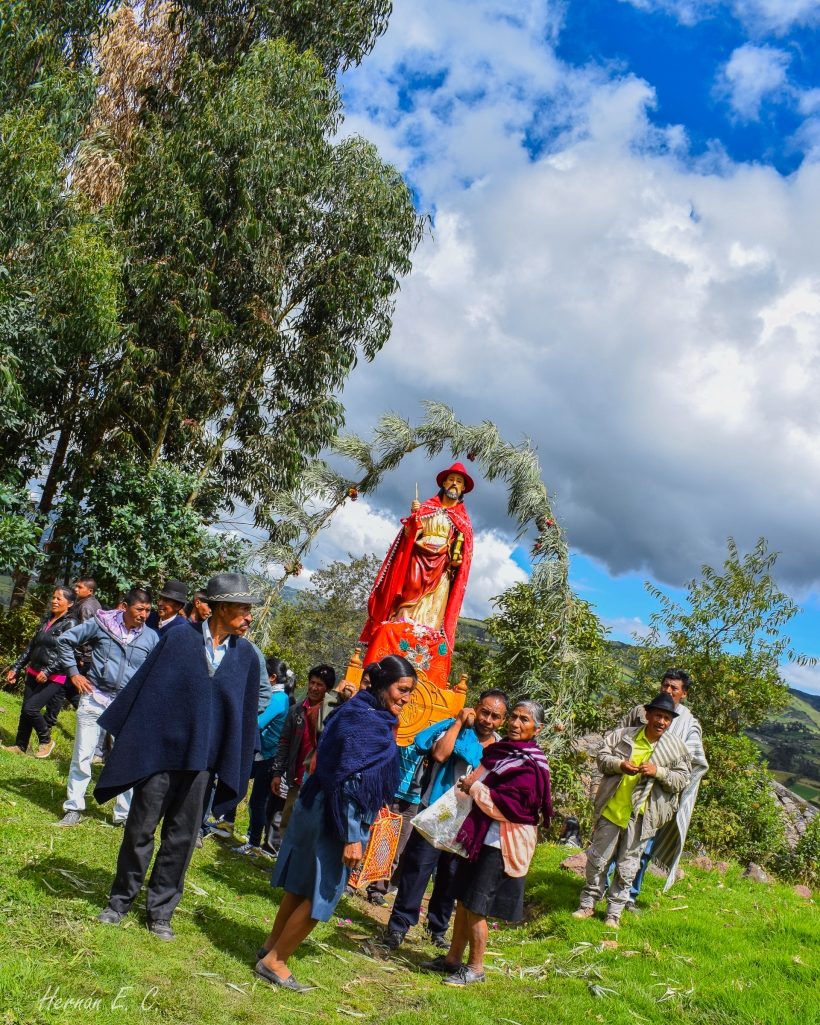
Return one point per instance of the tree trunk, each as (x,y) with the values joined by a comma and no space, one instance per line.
(57,461)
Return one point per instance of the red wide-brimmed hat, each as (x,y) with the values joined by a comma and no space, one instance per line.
(456,468)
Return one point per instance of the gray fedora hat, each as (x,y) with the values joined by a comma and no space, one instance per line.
(175,590)
(232,587)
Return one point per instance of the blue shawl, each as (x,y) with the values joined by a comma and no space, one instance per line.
(358,741)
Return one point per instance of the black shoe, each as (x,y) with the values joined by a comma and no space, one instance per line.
(291,982)
(377,899)
(464,976)
(110,916)
(393,939)
(630,906)
(261,954)
(439,964)
(161,928)
(439,940)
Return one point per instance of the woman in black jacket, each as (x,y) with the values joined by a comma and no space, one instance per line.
(44,675)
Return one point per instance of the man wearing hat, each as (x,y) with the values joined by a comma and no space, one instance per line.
(666,847)
(644,768)
(424,576)
(189,713)
(170,603)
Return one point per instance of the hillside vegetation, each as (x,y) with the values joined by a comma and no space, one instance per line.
(790,742)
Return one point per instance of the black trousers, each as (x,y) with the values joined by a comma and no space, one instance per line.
(35,698)
(176,798)
(68,693)
(262,775)
(419,861)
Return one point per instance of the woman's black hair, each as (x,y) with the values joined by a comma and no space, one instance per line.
(386,672)
(325,673)
(67,593)
(276,667)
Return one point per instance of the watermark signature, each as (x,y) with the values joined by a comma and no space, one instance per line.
(126,1000)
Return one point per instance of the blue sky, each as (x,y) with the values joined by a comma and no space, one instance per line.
(685,64)
(623,267)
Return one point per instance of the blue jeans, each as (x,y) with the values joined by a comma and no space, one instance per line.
(637,882)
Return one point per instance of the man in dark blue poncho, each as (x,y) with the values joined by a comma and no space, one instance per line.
(188,714)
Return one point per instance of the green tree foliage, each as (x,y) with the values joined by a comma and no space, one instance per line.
(728,635)
(470,656)
(547,641)
(136,529)
(262,261)
(192,255)
(19,530)
(339,32)
(323,622)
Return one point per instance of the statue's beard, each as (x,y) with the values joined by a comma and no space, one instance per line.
(453,493)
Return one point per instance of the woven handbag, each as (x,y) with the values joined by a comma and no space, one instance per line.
(380,852)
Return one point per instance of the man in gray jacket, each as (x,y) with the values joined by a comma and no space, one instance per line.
(644,768)
(119,643)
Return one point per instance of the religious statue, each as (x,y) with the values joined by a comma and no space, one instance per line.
(424,577)
(417,596)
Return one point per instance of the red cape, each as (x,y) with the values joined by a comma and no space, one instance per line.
(394,569)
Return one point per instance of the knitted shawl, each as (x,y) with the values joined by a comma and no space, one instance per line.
(357,744)
(519,783)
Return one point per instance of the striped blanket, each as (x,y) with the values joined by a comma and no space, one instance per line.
(670,839)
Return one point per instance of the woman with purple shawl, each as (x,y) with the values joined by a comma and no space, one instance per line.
(355,775)
(511,795)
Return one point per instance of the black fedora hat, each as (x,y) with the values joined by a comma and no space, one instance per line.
(175,590)
(232,587)
(663,702)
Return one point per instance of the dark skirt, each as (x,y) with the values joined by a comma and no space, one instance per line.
(484,888)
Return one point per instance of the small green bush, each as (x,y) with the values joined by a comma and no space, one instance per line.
(736,815)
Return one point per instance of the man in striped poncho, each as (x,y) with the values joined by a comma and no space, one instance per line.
(645,769)
(666,847)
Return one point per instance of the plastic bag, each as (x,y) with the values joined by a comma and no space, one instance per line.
(440,823)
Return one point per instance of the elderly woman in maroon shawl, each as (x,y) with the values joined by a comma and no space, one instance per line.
(511,795)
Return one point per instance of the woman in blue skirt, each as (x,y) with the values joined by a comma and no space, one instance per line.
(355,775)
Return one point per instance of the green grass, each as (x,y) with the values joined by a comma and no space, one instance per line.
(736,952)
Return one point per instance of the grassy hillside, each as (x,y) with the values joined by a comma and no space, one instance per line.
(791,744)
(720,950)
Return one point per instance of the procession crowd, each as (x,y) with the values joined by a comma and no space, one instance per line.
(186,713)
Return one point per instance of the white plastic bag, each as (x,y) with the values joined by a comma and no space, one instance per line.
(441,822)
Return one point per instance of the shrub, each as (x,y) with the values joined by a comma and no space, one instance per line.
(736,815)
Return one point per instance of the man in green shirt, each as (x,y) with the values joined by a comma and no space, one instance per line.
(644,770)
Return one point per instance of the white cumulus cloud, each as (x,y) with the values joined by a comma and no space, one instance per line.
(752,74)
(651,321)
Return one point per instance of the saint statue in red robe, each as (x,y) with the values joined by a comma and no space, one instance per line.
(423,579)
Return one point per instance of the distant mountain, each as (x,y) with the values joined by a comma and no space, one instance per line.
(790,742)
